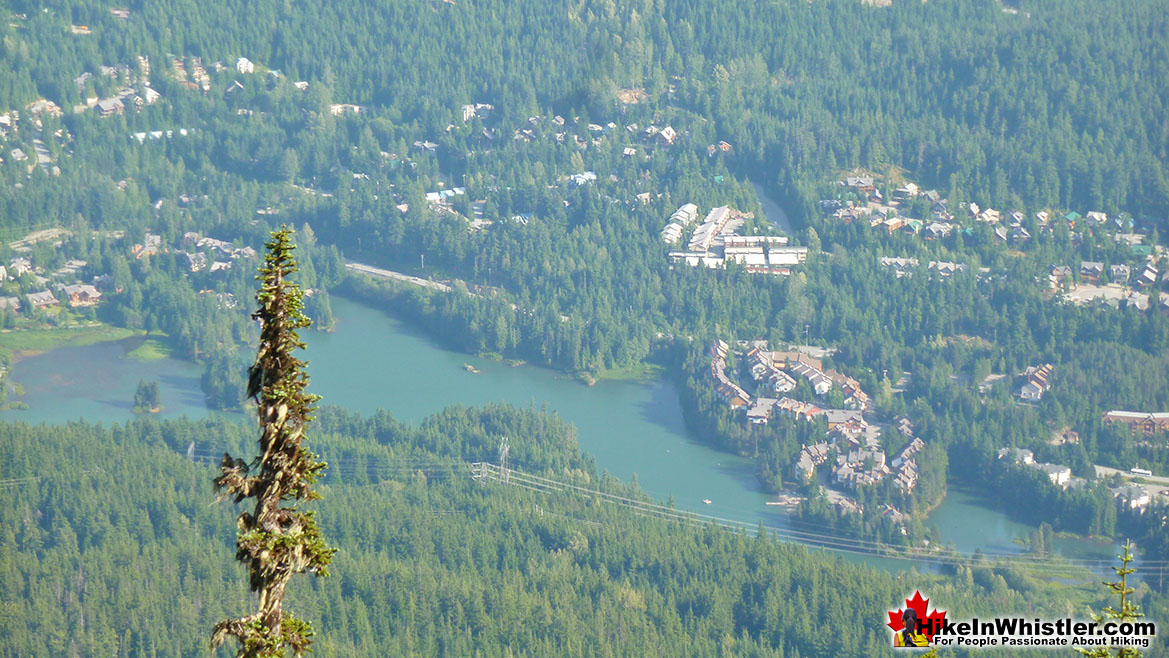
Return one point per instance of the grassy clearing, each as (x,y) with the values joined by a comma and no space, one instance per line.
(152,349)
(639,372)
(34,341)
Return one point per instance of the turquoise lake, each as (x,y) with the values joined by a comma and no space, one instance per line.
(375,360)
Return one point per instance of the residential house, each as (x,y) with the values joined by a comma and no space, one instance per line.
(803,410)
(904,426)
(20,267)
(1059,275)
(788,359)
(110,106)
(837,417)
(730,391)
(671,233)
(82,295)
(1138,301)
(473,110)
(809,458)
(912,448)
(667,135)
(900,266)
(196,262)
(81,80)
(990,216)
(906,191)
(1091,271)
(152,245)
(820,382)
(946,268)
(1119,273)
(1037,383)
(861,467)
(1147,424)
(855,397)
(44,106)
(1132,498)
(1017,455)
(938,230)
(781,382)
(42,299)
(10,303)
(1057,473)
(341,109)
(863,184)
(906,478)
(759,412)
(1148,276)
(786,256)
(245,65)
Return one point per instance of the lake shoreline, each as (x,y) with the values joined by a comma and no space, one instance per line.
(376,359)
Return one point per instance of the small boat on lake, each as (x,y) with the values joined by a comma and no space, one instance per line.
(471,369)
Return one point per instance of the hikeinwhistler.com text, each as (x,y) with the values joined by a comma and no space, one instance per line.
(1019,632)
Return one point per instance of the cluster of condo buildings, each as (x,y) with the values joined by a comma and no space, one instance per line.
(860,460)
(714,243)
(778,368)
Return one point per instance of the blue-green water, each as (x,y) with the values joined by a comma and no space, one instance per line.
(97,383)
(375,361)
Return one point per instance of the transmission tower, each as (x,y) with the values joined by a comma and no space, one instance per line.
(504,447)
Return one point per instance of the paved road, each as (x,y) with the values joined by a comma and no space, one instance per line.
(772,211)
(1104,471)
(397,276)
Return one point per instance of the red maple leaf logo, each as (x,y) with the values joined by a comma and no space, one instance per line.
(930,622)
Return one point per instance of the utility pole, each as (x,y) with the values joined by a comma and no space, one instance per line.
(504,448)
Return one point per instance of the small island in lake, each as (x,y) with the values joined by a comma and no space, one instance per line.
(147,399)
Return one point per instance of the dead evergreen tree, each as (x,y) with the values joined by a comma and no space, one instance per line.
(276,539)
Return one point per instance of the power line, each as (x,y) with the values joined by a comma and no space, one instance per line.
(845,545)
(796,531)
